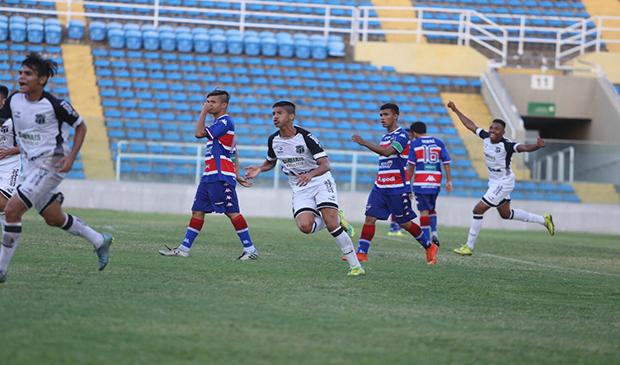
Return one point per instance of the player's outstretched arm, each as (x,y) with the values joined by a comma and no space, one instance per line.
(468,123)
(66,163)
(253,171)
(240,179)
(200,124)
(540,143)
(381,151)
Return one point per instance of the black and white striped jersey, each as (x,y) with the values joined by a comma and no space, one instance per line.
(497,156)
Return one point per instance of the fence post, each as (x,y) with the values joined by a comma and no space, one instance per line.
(420,18)
(354,172)
(583,36)
(119,152)
(69,11)
(571,164)
(355,26)
(156,14)
(521,35)
(561,167)
(242,10)
(365,26)
(328,12)
(599,26)
(197,175)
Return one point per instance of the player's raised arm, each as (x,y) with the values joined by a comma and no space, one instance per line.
(540,143)
(200,124)
(380,150)
(468,123)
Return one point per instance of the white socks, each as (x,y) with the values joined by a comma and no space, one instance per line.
(474,230)
(75,226)
(522,215)
(10,240)
(346,245)
(318,225)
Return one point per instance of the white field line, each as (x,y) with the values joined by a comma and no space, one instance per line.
(524,262)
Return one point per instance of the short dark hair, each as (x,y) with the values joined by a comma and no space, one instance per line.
(4,91)
(42,66)
(391,106)
(499,121)
(218,92)
(418,127)
(287,105)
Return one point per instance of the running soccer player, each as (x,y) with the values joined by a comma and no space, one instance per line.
(498,153)
(315,199)
(216,192)
(9,158)
(41,124)
(390,194)
(427,155)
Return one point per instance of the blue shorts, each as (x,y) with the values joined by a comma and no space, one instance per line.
(217,196)
(381,205)
(426,201)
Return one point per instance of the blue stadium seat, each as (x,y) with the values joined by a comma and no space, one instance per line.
(184,42)
(218,43)
(17,32)
(35,33)
(133,39)
(201,42)
(75,29)
(167,41)
(116,38)
(269,45)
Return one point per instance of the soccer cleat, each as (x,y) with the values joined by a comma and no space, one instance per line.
(246,256)
(435,240)
(356,271)
(431,254)
(464,250)
(2,276)
(361,257)
(173,252)
(398,233)
(348,227)
(549,224)
(103,252)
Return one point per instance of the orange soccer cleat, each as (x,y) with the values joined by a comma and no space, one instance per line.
(361,257)
(431,254)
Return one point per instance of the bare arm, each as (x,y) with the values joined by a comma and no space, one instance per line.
(540,143)
(381,151)
(411,171)
(468,123)
(200,124)
(448,176)
(9,152)
(78,139)
(240,179)
(323,167)
(253,171)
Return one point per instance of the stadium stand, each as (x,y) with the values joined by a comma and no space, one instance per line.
(153,92)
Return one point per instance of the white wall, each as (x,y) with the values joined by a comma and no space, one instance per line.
(255,202)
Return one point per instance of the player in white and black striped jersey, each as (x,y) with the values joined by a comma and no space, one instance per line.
(315,198)
(498,153)
(9,157)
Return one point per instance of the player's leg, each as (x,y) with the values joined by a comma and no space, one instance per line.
(434,231)
(305,212)
(12,229)
(424,202)
(343,241)
(54,216)
(225,200)
(376,208)
(474,229)
(521,215)
(400,206)
(394,229)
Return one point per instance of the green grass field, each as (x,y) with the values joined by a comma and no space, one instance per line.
(523,298)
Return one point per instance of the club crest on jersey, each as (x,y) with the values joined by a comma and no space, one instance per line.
(300,149)
(4,129)
(39,118)
(498,150)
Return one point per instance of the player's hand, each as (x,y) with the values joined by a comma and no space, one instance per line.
(303,180)
(540,143)
(357,139)
(65,164)
(452,106)
(251,172)
(449,185)
(4,152)
(205,108)
(244,182)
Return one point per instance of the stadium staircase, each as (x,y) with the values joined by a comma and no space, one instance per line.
(606,8)
(597,193)
(395,25)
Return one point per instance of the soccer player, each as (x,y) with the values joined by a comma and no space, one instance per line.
(9,157)
(315,199)
(498,153)
(216,192)
(41,125)
(390,194)
(427,155)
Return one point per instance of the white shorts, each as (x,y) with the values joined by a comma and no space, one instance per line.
(315,197)
(8,181)
(498,192)
(39,186)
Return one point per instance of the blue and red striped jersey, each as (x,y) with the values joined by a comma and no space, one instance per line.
(219,152)
(392,175)
(428,154)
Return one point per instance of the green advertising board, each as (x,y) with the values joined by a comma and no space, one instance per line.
(541,109)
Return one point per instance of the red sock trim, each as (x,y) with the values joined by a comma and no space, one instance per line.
(414,230)
(196,223)
(432,212)
(368,232)
(425,221)
(239,222)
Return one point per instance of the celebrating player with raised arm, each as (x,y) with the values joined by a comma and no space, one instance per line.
(390,194)
(427,156)
(498,153)
(216,191)
(41,125)
(315,199)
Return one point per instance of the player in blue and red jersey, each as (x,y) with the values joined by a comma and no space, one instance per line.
(216,191)
(427,155)
(390,194)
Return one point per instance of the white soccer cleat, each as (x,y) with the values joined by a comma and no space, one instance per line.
(246,256)
(173,252)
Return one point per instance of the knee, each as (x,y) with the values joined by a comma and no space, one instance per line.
(478,211)
(505,215)
(305,227)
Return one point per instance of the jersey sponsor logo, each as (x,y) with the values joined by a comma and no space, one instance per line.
(279,149)
(300,149)
(39,118)
(386,164)
(69,108)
